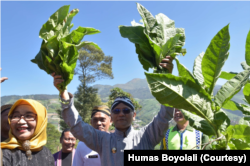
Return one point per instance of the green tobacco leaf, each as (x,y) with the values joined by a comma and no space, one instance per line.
(221,120)
(67,26)
(231,105)
(245,65)
(231,87)
(76,36)
(215,57)
(239,144)
(164,38)
(184,72)
(180,93)
(39,60)
(197,68)
(240,132)
(247,53)
(80,45)
(52,47)
(199,123)
(247,118)
(55,19)
(145,63)
(242,121)
(227,75)
(246,92)
(135,35)
(244,109)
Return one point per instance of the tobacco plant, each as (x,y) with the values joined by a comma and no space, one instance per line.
(232,105)
(59,48)
(193,91)
(154,39)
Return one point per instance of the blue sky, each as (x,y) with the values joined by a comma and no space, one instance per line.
(21,23)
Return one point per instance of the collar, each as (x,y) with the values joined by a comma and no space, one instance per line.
(121,134)
(189,128)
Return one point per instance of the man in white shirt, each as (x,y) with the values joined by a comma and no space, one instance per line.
(100,120)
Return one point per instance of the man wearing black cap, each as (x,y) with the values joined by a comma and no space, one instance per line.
(100,120)
(111,146)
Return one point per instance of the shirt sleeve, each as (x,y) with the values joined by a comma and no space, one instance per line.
(157,128)
(81,130)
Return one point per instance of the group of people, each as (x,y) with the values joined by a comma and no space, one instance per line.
(22,143)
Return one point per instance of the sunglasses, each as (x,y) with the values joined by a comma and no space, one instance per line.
(125,111)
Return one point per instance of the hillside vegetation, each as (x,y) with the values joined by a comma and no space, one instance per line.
(137,87)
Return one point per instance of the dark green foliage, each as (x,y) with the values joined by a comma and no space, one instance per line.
(63,125)
(53,138)
(86,99)
(154,39)
(59,48)
(93,65)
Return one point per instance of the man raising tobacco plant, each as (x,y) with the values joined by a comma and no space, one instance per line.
(111,146)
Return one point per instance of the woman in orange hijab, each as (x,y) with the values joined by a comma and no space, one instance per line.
(27,136)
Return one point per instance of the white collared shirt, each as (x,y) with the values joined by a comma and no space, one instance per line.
(85,156)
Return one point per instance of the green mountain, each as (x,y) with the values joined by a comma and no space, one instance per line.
(150,107)
(137,87)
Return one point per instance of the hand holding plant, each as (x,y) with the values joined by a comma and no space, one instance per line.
(59,48)
(192,91)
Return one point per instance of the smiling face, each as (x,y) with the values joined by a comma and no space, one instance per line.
(68,142)
(122,121)
(101,121)
(23,130)
(178,116)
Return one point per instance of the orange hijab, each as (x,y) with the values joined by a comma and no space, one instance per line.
(39,138)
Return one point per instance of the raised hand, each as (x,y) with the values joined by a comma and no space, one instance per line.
(3,78)
(167,63)
(57,80)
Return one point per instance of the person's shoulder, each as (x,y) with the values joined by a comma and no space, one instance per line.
(56,154)
(81,145)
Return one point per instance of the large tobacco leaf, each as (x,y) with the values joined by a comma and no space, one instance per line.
(197,72)
(227,75)
(184,72)
(231,87)
(246,92)
(154,39)
(181,93)
(247,54)
(59,48)
(215,57)
(199,123)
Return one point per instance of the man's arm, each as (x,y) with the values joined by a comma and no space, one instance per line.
(156,130)
(81,130)
(158,127)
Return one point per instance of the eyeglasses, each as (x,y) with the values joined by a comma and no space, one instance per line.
(125,111)
(26,117)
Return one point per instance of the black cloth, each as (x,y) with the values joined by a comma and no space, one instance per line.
(3,139)
(66,159)
(17,157)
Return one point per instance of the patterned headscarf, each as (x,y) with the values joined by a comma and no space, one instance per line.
(102,108)
(39,138)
